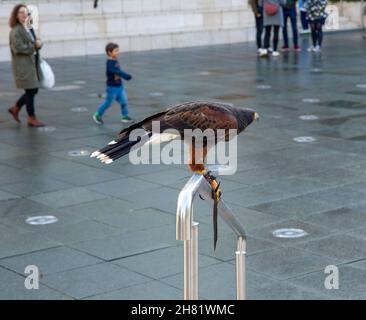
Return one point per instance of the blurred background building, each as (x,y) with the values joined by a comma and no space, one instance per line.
(74,27)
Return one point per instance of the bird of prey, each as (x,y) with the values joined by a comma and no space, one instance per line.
(193,115)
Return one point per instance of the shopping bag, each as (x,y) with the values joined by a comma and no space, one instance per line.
(47,75)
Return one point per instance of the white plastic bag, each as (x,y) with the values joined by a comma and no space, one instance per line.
(47,75)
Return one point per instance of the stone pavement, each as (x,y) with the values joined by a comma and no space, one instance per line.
(115,238)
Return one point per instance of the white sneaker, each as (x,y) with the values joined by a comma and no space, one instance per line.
(317,49)
(259,50)
(263,53)
(311,49)
(275,54)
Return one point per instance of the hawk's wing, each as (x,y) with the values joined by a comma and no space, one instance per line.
(199,115)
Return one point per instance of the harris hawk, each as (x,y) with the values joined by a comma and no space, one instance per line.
(220,118)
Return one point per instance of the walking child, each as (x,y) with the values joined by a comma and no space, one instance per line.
(115,89)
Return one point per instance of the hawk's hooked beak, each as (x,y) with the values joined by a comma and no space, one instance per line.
(256,116)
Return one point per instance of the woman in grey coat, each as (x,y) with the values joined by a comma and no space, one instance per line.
(24,46)
(271,20)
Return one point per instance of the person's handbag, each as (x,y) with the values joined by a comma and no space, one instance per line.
(271,8)
(47,76)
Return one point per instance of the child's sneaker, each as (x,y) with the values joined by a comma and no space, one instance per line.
(285,48)
(311,49)
(275,54)
(126,119)
(97,118)
(297,48)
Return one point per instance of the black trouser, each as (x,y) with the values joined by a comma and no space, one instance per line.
(28,99)
(316,32)
(259,28)
(267,36)
(292,15)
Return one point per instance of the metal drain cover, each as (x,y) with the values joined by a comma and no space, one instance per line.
(41,220)
(66,87)
(46,129)
(79,109)
(156,94)
(304,139)
(79,153)
(289,233)
(311,100)
(309,117)
(264,86)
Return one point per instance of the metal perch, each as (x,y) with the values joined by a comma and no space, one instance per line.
(187,230)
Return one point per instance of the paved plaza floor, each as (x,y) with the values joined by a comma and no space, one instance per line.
(115,235)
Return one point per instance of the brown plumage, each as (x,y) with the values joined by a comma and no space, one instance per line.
(202,115)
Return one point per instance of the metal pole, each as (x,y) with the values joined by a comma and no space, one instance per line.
(191,264)
(194,260)
(187,270)
(363,18)
(241,269)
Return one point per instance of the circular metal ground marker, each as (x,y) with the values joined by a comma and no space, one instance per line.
(361,86)
(79,153)
(316,70)
(156,94)
(66,87)
(289,233)
(311,100)
(264,86)
(205,73)
(46,129)
(41,220)
(79,82)
(309,117)
(79,109)
(304,139)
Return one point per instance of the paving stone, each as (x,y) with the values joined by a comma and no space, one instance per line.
(286,263)
(89,281)
(50,261)
(12,288)
(68,197)
(352,283)
(342,247)
(162,262)
(152,290)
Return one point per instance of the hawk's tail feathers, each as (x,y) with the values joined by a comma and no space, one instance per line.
(119,148)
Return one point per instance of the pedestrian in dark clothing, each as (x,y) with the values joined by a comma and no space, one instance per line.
(258,15)
(289,12)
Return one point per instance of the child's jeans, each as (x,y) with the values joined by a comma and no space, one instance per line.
(113,93)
